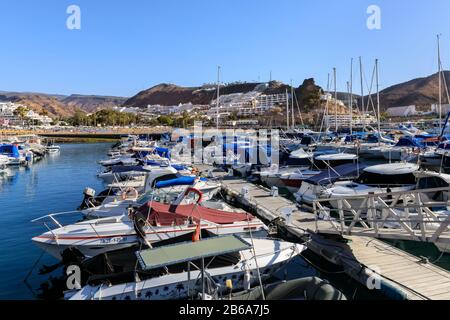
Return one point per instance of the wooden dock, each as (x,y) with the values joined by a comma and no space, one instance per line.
(367,260)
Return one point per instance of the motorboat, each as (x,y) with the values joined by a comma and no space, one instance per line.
(181,271)
(327,160)
(14,155)
(378,179)
(313,186)
(159,183)
(151,223)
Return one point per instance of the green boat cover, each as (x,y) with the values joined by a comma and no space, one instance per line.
(189,251)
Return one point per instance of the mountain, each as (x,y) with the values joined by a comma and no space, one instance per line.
(60,105)
(170,94)
(419,92)
(92,103)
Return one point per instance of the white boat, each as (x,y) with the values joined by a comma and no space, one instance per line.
(53,148)
(330,160)
(155,220)
(384,178)
(238,260)
(159,182)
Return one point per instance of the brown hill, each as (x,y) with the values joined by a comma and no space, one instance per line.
(92,103)
(60,106)
(419,92)
(169,94)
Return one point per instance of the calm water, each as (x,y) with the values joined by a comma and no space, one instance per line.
(54,184)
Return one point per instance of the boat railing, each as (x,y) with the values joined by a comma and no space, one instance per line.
(402,215)
(53,217)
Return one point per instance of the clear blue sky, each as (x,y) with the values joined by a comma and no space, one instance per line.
(127,46)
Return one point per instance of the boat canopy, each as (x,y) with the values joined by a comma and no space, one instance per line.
(408,142)
(180,181)
(10,150)
(189,251)
(336,157)
(300,154)
(345,171)
(167,215)
(393,168)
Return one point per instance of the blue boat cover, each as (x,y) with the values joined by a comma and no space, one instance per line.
(181,181)
(10,150)
(408,142)
(344,171)
(178,167)
(163,152)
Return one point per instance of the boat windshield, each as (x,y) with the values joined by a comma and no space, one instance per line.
(376,179)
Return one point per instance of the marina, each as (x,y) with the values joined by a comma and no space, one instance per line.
(146,195)
(222,162)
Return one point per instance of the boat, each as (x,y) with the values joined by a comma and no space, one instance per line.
(384,178)
(312,187)
(154,221)
(165,188)
(190,269)
(13,154)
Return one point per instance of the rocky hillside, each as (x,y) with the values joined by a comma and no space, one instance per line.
(419,92)
(59,106)
(91,103)
(170,94)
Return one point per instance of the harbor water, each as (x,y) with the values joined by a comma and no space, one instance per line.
(56,183)
(52,185)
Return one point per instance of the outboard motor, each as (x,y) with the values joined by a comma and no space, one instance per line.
(89,197)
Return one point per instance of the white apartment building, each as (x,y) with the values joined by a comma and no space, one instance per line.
(343,120)
(246,104)
(403,111)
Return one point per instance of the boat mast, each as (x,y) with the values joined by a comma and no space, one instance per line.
(351,97)
(218,97)
(362,94)
(440,82)
(335,100)
(292,106)
(287,110)
(378,100)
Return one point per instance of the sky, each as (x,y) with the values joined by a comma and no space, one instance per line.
(124,47)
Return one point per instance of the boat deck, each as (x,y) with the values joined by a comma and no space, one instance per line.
(400,274)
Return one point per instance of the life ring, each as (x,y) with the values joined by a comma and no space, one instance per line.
(125,195)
